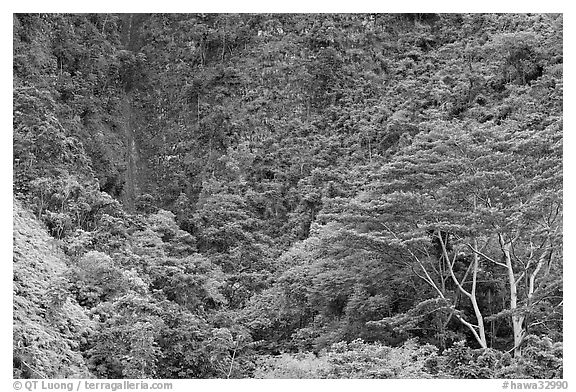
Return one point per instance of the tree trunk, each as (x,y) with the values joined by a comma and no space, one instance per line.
(477,312)
(477,330)
(517,320)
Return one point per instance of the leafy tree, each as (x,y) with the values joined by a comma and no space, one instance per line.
(220,188)
(476,194)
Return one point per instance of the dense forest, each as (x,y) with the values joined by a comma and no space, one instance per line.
(287,195)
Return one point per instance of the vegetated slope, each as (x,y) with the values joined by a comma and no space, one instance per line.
(232,186)
(49,325)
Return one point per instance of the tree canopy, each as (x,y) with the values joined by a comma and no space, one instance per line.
(288,195)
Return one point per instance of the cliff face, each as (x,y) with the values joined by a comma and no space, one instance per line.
(131,42)
(131,189)
(47,324)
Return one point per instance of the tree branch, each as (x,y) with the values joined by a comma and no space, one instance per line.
(451,265)
(485,256)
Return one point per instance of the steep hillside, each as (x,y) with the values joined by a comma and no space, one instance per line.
(239,195)
(49,325)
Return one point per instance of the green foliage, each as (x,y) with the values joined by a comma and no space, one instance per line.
(226,188)
(361,360)
(541,359)
(97,279)
(41,143)
(145,204)
(356,359)
(49,326)
(463,362)
(125,345)
(65,203)
(192,282)
(293,366)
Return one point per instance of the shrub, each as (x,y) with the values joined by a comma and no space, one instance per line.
(301,365)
